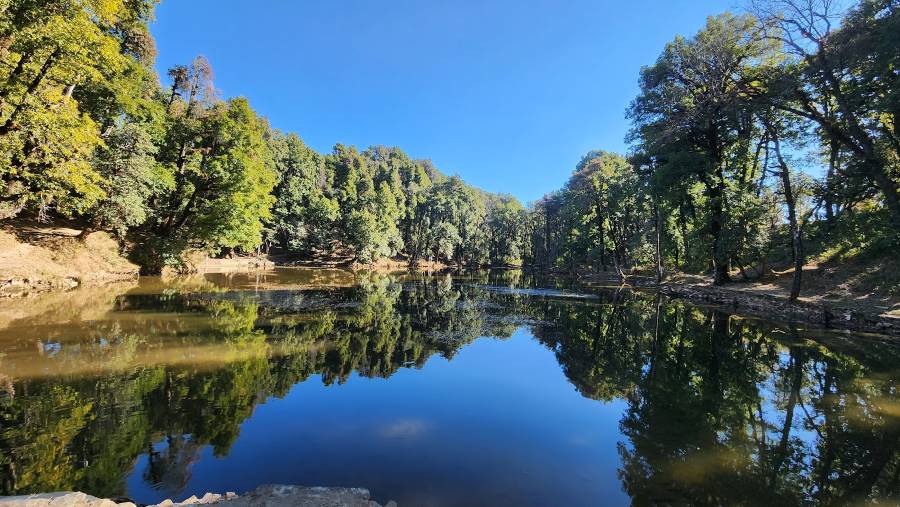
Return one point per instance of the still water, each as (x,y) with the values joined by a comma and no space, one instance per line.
(484,389)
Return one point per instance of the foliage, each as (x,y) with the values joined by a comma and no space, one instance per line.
(47,137)
(87,131)
(131,177)
(725,124)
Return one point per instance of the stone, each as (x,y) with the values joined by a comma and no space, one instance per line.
(272,495)
(58,499)
(281,495)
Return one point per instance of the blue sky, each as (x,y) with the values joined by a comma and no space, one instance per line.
(507,94)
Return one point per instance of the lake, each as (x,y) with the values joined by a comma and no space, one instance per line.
(490,388)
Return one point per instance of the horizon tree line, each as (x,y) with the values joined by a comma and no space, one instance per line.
(725,128)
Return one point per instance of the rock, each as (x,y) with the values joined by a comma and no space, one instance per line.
(280,495)
(210,498)
(59,499)
(273,495)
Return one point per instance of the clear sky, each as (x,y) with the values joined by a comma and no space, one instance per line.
(507,94)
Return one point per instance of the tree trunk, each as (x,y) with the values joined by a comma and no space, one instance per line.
(186,213)
(92,226)
(547,260)
(13,77)
(888,189)
(829,182)
(682,225)
(602,242)
(12,206)
(618,251)
(720,260)
(172,94)
(618,265)
(791,202)
(659,270)
(32,86)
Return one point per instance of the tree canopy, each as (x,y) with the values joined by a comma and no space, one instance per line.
(729,125)
(725,129)
(87,131)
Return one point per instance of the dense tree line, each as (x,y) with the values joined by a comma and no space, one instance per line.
(723,127)
(380,203)
(87,130)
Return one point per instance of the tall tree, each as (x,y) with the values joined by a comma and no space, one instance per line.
(68,69)
(222,184)
(304,216)
(843,77)
(692,117)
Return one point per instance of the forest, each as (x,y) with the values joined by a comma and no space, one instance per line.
(768,136)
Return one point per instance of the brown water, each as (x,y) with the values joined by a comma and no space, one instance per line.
(492,388)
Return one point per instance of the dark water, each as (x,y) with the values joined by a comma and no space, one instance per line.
(486,389)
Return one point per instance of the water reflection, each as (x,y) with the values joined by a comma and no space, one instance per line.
(714,409)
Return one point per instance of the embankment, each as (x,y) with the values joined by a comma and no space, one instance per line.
(58,259)
(770,304)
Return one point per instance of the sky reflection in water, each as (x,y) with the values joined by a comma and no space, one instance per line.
(437,391)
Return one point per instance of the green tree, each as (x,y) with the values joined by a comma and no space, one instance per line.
(223,175)
(59,57)
(449,225)
(303,217)
(505,215)
(841,75)
(131,177)
(692,117)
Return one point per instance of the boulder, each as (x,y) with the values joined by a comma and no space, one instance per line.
(273,495)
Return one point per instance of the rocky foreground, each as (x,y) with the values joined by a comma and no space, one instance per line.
(278,495)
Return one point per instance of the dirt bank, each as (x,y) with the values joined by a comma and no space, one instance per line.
(245,262)
(855,311)
(38,259)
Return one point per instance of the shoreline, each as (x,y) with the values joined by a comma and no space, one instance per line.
(831,315)
(751,300)
(271,495)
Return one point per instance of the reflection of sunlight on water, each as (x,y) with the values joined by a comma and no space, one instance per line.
(863,411)
(294,278)
(697,467)
(89,360)
(887,406)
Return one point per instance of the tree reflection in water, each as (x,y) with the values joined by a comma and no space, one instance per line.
(719,409)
